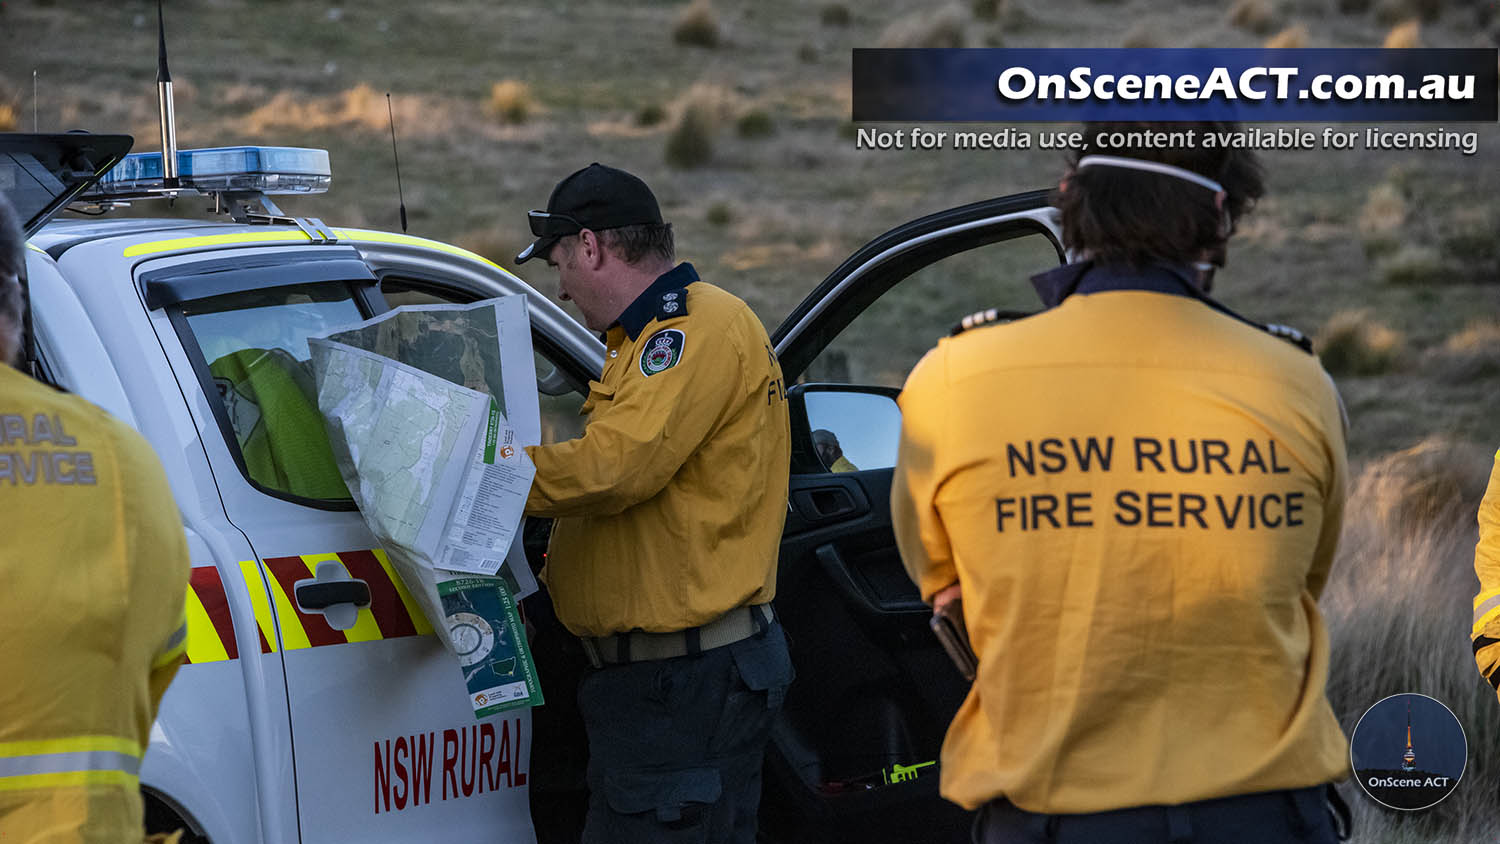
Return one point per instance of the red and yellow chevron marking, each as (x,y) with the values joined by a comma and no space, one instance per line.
(392,612)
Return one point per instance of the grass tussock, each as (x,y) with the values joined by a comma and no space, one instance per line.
(946,27)
(755,124)
(1292,38)
(1381,220)
(719,214)
(697,26)
(360,107)
(691,142)
(1414,266)
(1404,35)
(1398,604)
(1355,343)
(986,10)
(1470,356)
(835,14)
(8,118)
(1353,7)
(511,101)
(1257,16)
(650,115)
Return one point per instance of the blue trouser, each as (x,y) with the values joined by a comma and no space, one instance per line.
(675,745)
(1300,816)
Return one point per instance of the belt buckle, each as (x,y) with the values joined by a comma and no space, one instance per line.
(591,650)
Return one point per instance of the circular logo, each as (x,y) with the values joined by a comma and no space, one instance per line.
(1408,752)
(473,638)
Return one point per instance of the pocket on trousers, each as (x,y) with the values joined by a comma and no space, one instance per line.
(680,799)
(765,665)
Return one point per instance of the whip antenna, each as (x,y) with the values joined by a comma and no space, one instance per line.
(164,98)
(400,196)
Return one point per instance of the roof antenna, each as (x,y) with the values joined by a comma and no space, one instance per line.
(401,197)
(164,97)
(34,122)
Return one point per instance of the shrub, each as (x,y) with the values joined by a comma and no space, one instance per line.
(1257,16)
(835,14)
(808,54)
(650,115)
(986,10)
(697,26)
(1353,343)
(510,100)
(691,142)
(719,214)
(755,124)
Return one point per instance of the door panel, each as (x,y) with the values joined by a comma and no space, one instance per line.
(855,754)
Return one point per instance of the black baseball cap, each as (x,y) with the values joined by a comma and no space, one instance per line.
(596,197)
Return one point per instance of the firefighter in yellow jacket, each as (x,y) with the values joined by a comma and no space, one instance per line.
(668,522)
(94,565)
(1486,630)
(1137,495)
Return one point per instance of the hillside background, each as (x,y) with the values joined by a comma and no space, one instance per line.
(738,115)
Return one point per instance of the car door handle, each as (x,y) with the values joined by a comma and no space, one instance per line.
(333,593)
(312,595)
(820,504)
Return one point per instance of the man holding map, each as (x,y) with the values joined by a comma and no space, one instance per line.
(668,519)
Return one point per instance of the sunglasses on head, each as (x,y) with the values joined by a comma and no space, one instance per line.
(552,224)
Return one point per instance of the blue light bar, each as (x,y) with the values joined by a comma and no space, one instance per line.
(268,170)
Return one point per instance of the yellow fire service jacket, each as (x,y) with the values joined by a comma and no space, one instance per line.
(1486,630)
(669,508)
(95,567)
(1140,497)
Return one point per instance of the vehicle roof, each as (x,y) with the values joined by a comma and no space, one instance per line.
(61,235)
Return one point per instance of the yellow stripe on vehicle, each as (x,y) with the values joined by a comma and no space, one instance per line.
(34,248)
(409,240)
(74,744)
(418,619)
(256,584)
(293,637)
(365,629)
(70,778)
(237,239)
(203,643)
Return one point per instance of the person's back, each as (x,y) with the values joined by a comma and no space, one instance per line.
(1140,552)
(93,573)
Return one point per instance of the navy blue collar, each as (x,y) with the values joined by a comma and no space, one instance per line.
(1088,277)
(644,309)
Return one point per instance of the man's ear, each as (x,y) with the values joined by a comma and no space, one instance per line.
(590,250)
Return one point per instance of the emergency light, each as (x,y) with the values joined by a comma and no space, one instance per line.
(260,169)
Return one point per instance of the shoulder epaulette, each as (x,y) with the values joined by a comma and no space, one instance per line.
(990,316)
(672,304)
(1289,334)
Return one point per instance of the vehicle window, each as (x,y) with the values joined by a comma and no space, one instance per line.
(886,340)
(254,347)
(560,398)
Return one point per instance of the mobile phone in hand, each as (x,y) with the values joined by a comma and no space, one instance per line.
(948,624)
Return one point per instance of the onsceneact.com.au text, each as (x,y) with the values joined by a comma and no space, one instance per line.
(1255,83)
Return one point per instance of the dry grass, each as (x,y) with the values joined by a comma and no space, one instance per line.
(1354,343)
(1397,605)
(697,26)
(1257,16)
(1292,38)
(946,27)
(1141,36)
(8,119)
(1471,355)
(1404,35)
(360,107)
(511,101)
(1384,210)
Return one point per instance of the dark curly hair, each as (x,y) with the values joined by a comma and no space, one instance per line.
(1117,215)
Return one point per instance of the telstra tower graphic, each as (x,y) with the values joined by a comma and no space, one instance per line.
(1408,759)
